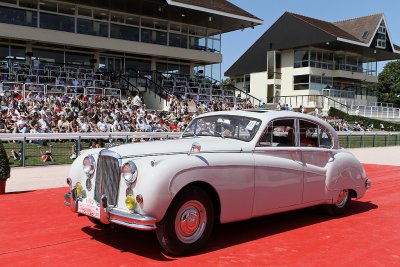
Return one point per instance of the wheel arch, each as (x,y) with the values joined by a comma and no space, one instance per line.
(212,193)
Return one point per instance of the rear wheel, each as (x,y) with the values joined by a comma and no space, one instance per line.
(341,205)
(188,222)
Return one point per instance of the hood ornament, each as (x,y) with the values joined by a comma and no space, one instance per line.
(196,148)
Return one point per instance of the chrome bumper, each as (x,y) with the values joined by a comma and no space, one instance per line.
(113,215)
(368,183)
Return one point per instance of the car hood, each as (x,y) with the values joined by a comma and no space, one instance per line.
(182,145)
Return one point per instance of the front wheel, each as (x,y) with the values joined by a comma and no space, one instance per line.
(188,222)
(341,205)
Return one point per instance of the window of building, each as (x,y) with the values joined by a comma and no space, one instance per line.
(132,20)
(4,51)
(124,32)
(301,82)
(48,6)
(28,3)
(301,58)
(153,37)
(17,16)
(100,14)
(116,17)
(279,133)
(18,52)
(66,9)
(90,27)
(365,35)
(50,56)
(319,83)
(85,12)
(12,2)
(77,58)
(178,40)
(57,22)
(132,65)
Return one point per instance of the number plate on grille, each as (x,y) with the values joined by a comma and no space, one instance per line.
(89,209)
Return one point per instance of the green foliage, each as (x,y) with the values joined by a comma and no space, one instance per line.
(333,112)
(4,164)
(389,83)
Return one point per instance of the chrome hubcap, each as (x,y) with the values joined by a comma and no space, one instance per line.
(190,222)
(342,198)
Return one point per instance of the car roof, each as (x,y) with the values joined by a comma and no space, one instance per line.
(265,115)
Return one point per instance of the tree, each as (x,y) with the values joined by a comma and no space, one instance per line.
(4,164)
(389,83)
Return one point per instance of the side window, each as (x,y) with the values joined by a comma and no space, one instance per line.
(325,140)
(278,133)
(309,133)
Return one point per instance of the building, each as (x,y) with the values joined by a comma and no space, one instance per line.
(300,56)
(181,36)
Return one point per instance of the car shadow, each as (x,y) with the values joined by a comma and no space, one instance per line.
(226,235)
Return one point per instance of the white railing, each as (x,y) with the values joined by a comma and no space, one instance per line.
(378,112)
(75,136)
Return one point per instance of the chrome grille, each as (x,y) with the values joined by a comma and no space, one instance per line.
(107,179)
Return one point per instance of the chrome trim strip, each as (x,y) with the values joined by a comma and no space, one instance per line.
(135,221)
(135,226)
(184,153)
(368,183)
(67,199)
(73,201)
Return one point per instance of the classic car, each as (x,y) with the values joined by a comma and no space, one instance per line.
(225,167)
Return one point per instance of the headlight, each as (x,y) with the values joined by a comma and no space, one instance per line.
(88,165)
(129,172)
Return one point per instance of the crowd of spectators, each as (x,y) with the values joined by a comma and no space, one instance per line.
(72,114)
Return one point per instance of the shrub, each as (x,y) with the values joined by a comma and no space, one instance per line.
(4,164)
(333,112)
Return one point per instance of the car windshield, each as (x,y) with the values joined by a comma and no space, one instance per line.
(225,126)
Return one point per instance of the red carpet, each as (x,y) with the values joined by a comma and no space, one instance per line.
(36,229)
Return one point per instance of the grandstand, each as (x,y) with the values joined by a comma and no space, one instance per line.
(112,48)
(301,59)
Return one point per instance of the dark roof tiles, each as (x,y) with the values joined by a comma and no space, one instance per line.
(327,27)
(358,26)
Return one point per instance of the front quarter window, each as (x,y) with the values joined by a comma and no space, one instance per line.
(225,126)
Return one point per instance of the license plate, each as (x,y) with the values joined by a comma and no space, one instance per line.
(89,209)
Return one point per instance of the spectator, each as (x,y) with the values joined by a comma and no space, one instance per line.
(47,155)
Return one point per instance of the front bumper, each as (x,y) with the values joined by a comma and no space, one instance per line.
(113,215)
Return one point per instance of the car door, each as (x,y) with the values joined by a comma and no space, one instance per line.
(315,143)
(278,168)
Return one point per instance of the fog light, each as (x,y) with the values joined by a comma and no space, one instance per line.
(130,202)
(78,187)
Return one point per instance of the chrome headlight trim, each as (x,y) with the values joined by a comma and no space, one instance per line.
(88,165)
(129,172)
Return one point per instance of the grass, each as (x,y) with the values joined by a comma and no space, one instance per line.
(357,141)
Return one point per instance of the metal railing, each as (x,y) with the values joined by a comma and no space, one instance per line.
(379,112)
(27,149)
(368,139)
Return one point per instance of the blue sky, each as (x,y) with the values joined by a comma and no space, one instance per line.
(234,44)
